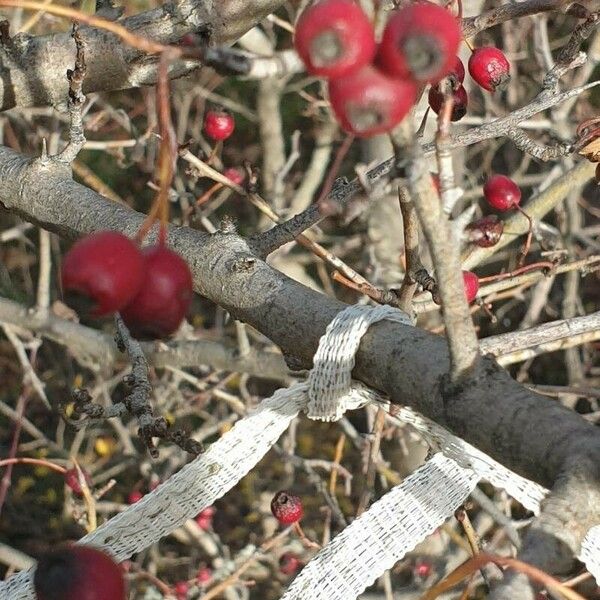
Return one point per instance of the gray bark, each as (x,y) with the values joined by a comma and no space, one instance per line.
(529,433)
(33,69)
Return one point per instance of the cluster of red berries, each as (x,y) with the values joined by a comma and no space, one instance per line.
(203,578)
(502,194)
(106,272)
(75,572)
(372,87)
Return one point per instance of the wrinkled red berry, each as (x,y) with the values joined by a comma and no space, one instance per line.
(134,496)
(334,38)
(218,124)
(204,576)
(501,193)
(164,298)
(369,102)
(459,107)
(485,232)
(489,68)
(471,284)
(289,563)
(76,572)
(181,589)
(103,271)
(235,175)
(420,43)
(286,507)
(72,480)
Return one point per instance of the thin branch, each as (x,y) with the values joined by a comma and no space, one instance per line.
(75,77)
(462,341)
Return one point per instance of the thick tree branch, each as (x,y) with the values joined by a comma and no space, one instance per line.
(406,362)
(97,350)
(530,434)
(33,68)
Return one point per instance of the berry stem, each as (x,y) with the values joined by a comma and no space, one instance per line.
(335,167)
(469,45)
(40,462)
(208,194)
(544,264)
(527,245)
(167,154)
(304,538)
(214,153)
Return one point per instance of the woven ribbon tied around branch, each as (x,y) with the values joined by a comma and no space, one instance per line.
(375,541)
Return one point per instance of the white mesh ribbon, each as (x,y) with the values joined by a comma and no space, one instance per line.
(330,389)
(191,489)
(381,536)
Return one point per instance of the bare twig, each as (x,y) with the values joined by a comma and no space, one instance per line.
(76,99)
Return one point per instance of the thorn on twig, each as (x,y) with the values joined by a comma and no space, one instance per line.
(76,99)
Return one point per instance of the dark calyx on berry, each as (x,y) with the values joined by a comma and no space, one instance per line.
(101,273)
(459,105)
(369,102)
(485,232)
(286,507)
(420,42)
(490,68)
(334,38)
(75,572)
(164,298)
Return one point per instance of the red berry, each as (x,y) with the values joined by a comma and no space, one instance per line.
(204,517)
(235,175)
(471,284)
(459,107)
(423,568)
(286,508)
(164,298)
(134,496)
(204,576)
(181,590)
(76,572)
(369,102)
(436,182)
(190,40)
(420,43)
(334,38)
(104,270)
(489,68)
(218,124)
(501,193)
(485,232)
(72,480)
(289,563)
